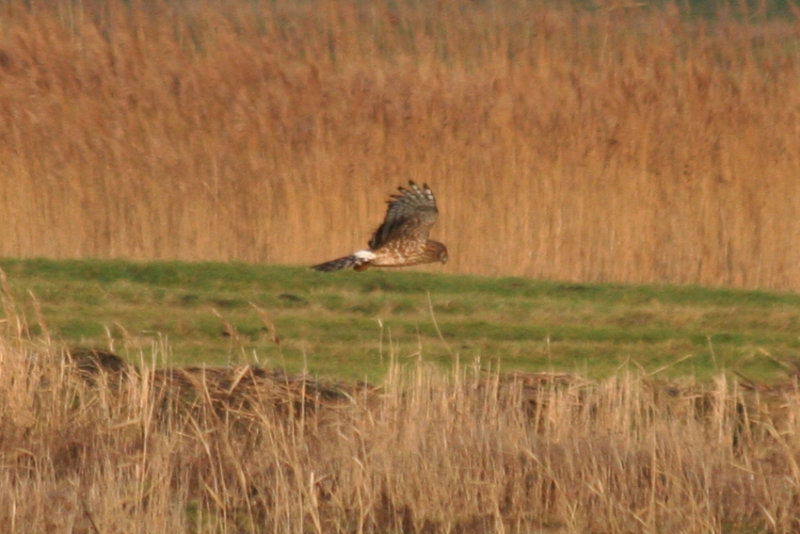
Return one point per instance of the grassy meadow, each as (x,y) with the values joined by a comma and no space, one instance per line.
(94,449)
(586,142)
(346,325)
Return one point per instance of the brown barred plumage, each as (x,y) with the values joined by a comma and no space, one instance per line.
(402,239)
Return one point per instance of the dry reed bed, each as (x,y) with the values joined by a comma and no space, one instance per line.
(585,144)
(245,450)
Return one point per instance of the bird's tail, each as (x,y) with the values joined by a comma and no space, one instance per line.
(356,262)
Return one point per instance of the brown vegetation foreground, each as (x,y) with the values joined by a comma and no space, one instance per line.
(632,144)
(244,450)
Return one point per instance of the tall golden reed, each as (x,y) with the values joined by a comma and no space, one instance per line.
(636,144)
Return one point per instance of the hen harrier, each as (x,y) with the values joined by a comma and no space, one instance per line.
(402,239)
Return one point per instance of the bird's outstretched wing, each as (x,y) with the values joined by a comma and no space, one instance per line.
(410,216)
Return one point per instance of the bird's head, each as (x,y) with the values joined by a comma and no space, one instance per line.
(436,251)
(443,255)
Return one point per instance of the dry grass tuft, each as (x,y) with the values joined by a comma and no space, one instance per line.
(85,448)
(584,144)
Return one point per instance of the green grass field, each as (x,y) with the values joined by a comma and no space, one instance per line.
(350,325)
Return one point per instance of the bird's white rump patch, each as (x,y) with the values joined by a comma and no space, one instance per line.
(364,254)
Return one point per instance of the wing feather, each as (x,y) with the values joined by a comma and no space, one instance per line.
(410,216)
